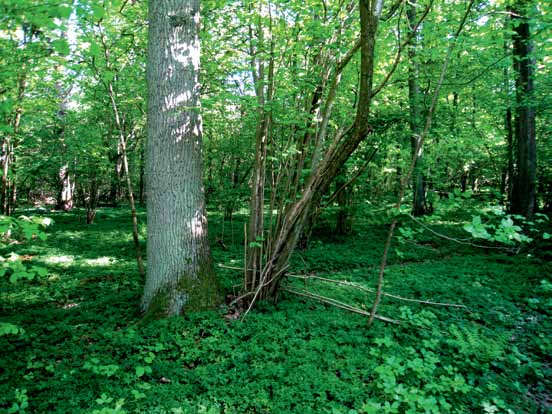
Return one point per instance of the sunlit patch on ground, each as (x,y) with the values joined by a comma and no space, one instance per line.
(101,261)
(62,260)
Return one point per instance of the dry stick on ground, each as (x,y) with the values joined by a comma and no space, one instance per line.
(230,267)
(413,163)
(338,304)
(365,289)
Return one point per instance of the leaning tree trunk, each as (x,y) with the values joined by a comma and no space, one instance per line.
(180,272)
(524,190)
(298,213)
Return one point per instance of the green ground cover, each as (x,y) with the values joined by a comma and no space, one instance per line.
(84,347)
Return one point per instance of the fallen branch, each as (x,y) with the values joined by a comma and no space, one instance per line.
(365,289)
(229,267)
(338,304)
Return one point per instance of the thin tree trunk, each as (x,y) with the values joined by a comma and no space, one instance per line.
(524,191)
(141,198)
(425,131)
(125,170)
(92,201)
(66,186)
(414,100)
(256,209)
(121,166)
(344,197)
(9,193)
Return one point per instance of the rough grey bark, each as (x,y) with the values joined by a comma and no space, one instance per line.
(525,180)
(180,273)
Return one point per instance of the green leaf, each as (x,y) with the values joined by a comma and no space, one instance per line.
(477,229)
(63,12)
(108,76)
(61,46)
(40,271)
(507,222)
(95,50)
(9,329)
(98,12)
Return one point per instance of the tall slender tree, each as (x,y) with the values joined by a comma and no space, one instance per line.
(525,180)
(414,100)
(180,273)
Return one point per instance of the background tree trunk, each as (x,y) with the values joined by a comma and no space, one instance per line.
(418,181)
(344,198)
(9,193)
(524,190)
(180,272)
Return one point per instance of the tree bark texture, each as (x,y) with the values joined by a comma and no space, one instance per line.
(180,274)
(8,196)
(525,181)
(418,182)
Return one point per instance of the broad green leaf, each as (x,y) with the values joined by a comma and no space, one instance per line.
(61,46)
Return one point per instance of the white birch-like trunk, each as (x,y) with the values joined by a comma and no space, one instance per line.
(180,274)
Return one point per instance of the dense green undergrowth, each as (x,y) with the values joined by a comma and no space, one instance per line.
(81,347)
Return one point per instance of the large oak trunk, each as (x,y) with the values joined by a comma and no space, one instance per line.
(180,274)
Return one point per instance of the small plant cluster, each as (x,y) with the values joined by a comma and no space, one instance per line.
(15,231)
(19,230)
(499,227)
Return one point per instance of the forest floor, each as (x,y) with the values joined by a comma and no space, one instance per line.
(85,348)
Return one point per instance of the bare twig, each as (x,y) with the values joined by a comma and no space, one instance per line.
(338,304)
(230,267)
(240,298)
(365,289)
(400,49)
(262,284)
